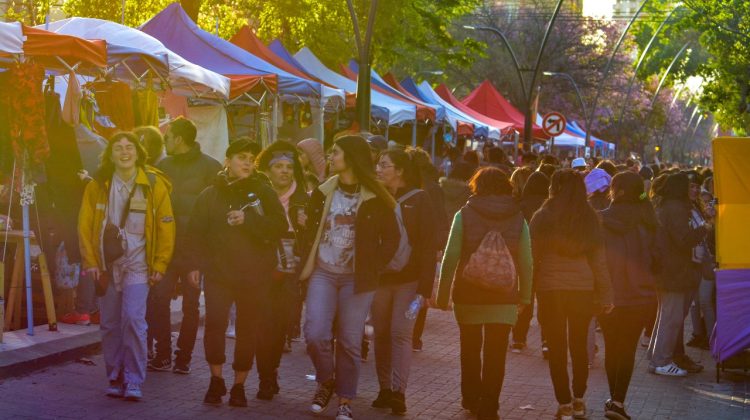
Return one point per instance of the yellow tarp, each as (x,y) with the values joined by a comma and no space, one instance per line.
(732,187)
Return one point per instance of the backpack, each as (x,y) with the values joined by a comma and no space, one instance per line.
(491,266)
(401,258)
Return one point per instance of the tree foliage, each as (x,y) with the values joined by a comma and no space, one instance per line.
(720,31)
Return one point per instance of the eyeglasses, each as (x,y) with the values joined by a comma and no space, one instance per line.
(383,166)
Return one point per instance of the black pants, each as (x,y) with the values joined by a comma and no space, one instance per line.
(565,317)
(158,315)
(521,329)
(622,329)
(284,297)
(252,312)
(483,349)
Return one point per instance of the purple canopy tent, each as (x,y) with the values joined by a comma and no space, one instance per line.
(732,333)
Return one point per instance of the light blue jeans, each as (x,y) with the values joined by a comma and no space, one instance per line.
(331,297)
(123,326)
(393,334)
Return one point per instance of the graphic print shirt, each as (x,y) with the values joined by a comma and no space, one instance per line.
(336,249)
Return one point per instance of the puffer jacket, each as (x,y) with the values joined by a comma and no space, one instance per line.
(159,227)
(554,271)
(630,240)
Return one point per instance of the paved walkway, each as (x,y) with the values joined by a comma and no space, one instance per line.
(75,390)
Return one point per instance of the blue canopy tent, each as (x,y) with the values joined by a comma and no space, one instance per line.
(598,144)
(385,108)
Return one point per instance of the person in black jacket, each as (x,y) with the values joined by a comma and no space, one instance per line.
(351,235)
(399,288)
(630,228)
(534,194)
(234,243)
(679,275)
(190,172)
(280,162)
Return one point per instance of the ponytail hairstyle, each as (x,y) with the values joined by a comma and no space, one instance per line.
(628,187)
(357,156)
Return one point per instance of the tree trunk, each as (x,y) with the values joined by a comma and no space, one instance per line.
(192,8)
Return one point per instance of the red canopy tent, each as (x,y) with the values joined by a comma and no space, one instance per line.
(248,41)
(447,96)
(48,48)
(463,128)
(486,100)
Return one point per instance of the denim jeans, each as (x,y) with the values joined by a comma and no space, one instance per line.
(331,297)
(123,326)
(706,293)
(393,334)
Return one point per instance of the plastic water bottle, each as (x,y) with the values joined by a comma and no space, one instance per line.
(414,307)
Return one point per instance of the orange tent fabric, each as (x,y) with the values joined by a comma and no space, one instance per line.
(44,46)
(240,84)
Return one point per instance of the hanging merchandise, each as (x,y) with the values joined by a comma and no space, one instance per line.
(145,107)
(72,107)
(26,104)
(90,146)
(305,117)
(115,101)
(288,111)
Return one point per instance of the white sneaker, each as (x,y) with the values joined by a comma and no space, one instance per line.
(670,370)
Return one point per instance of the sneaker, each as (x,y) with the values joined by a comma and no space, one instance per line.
(517,347)
(579,408)
(384,399)
(614,411)
(216,390)
(181,368)
(688,364)
(322,397)
(398,403)
(344,412)
(133,392)
(76,319)
(237,396)
(645,341)
(564,412)
(159,365)
(115,389)
(670,370)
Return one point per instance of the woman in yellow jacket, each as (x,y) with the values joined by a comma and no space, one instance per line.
(133,201)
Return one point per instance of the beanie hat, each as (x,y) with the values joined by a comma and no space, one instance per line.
(597,180)
(315,154)
(357,151)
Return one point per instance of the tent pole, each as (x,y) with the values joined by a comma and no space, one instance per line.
(321,123)
(25,201)
(386,131)
(414,134)
(275,118)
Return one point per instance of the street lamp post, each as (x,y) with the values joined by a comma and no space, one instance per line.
(365,66)
(527,93)
(575,85)
(513,57)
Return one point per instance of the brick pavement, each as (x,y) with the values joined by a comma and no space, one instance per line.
(75,390)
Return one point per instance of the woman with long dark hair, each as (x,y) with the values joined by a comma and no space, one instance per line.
(399,287)
(486,315)
(630,228)
(133,202)
(351,235)
(572,280)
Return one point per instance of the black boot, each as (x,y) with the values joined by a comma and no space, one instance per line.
(267,389)
(384,399)
(216,390)
(237,396)
(398,403)
(488,409)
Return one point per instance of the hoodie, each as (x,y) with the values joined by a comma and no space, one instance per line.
(630,241)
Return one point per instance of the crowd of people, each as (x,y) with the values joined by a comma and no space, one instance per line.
(367,235)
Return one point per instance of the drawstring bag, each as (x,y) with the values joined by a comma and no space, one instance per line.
(491,266)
